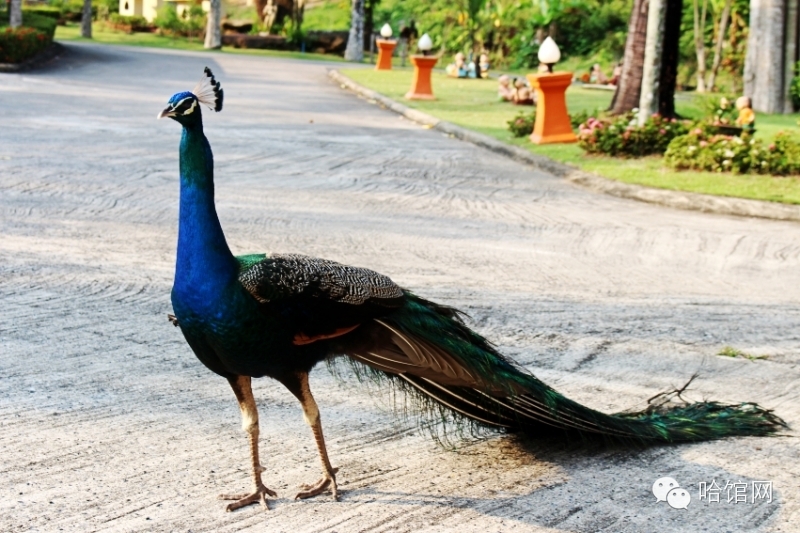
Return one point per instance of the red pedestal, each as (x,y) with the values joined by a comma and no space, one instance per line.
(385,51)
(552,121)
(421,85)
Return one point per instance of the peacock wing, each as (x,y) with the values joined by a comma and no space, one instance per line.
(318,298)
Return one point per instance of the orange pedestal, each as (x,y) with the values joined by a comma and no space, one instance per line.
(421,85)
(552,121)
(385,51)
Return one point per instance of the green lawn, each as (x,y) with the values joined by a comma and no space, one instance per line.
(473,104)
(103,35)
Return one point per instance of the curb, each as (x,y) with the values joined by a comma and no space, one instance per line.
(705,203)
(42,57)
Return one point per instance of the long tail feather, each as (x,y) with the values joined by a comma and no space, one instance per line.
(502,395)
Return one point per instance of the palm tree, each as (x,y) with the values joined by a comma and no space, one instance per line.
(626,97)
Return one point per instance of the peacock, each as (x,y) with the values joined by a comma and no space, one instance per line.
(279,315)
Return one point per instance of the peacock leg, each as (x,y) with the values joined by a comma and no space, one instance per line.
(247,405)
(311,415)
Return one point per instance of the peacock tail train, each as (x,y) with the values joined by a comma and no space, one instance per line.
(477,387)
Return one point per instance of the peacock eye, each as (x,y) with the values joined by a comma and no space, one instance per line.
(185,106)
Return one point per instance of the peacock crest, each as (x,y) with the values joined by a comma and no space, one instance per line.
(208,91)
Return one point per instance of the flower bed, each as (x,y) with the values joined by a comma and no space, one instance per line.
(17,45)
(623,137)
(740,155)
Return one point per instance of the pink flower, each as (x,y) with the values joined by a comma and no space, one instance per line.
(662,131)
(626,135)
(772,147)
(697,131)
(703,144)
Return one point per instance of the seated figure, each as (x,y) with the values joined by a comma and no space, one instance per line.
(522,93)
(747,117)
(597,75)
(483,65)
(458,69)
(504,90)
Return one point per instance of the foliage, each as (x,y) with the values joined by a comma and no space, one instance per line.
(522,124)
(45,11)
(19,44)
(623,137)
(720,110)
(331,15)
(41,23)
(740,155)
(128,23)
(189,24)
(511,30)
(794,87)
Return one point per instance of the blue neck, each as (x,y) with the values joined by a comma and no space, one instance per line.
(205,264)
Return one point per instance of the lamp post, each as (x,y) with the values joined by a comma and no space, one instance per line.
(552,120)
(385,48)
(423,64)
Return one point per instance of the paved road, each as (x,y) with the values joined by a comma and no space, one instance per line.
(108,423)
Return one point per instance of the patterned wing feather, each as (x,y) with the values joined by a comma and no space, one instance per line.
(317,295)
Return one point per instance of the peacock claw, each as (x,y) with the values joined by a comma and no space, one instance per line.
(173,320)
(311,490)
(259,496)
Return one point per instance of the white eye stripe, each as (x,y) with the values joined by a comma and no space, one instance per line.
(180,104)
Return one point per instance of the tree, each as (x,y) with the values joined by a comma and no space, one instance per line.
(355,42)
(764,64)
(700,42)
(670,57)
(722,28)
(213,32)
(626,97)
(86,20)
(651,74)
(15,15)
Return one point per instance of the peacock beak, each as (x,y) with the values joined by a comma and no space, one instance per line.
(168,112)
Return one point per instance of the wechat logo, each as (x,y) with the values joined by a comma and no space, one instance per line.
(666,489)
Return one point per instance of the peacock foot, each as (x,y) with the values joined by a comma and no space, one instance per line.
(259,496)
(314,489)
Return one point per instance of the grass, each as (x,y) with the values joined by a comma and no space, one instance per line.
(473,104)
(103,35)
(329,15)
(730,351)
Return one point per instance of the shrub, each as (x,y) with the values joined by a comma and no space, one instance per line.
(522,124)
(17,45)
(794,87)
(45,11)
(169,22)
(740,155)
(128,24)
(623,137)
(44,24)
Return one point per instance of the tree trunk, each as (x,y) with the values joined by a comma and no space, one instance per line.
(764,68)
(86,20)
(15,16)
(651,73)
(700,43)
(724,19)
(670,57)
(213,32)
(369,23)
(626,97)
(298,12)
(355,42)
(790,54)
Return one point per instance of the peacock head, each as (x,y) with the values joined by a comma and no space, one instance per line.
(183,107)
